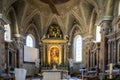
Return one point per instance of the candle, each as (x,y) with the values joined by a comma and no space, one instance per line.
(111,69)
(48,35)
(55,35)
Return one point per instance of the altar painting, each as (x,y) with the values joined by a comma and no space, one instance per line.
(54,55)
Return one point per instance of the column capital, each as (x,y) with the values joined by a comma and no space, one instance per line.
(103,19)
(88,39)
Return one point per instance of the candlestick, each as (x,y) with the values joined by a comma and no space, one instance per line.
(111,69)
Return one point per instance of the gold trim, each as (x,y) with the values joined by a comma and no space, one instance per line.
(54,41)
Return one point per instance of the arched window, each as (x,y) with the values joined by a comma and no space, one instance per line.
(30,41)
(98,35)
(119,8)
(7,34)
(78,48)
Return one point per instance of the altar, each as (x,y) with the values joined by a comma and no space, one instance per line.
(54,50)
(54,74)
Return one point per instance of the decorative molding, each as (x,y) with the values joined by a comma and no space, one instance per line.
(113,36)
(54,41)
(104,18)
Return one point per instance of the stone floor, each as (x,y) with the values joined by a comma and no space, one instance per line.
(73,78)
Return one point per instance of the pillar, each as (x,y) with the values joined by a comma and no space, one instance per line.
(3,21)
(105,29)
(87,43)
(109,53)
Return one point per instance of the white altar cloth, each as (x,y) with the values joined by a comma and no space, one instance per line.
(54,74)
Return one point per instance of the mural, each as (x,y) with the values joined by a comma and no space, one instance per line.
(54,55)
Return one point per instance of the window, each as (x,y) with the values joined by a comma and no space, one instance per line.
(119,8)
(98,35)
(78,48)
(7,34)
(30,41)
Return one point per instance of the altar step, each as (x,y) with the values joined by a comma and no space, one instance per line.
(73,78)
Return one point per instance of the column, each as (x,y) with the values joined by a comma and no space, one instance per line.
(115,51)
(65,54)
(68,51)
(105,29)
(109,53)
(88,59)
(98,53)
(40,55)
(68,57)
(3,21)
(43,55)
(104,45)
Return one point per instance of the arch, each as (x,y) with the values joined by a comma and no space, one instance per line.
(14,25)
(74,31)
(93,3)
(77,21)
(98,35)
(119,7)
(27,19)
(30,40)
(54,17)
(32,25)
(78,48)
(7,34)
(76,26)
(51,18)
(93,19)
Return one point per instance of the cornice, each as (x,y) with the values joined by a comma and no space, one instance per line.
(104,18)
(58,41)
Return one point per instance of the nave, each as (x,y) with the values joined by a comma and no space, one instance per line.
(77,38)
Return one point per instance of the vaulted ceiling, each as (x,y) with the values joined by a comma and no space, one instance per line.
(65,13)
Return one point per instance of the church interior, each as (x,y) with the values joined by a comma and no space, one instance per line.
(60,39)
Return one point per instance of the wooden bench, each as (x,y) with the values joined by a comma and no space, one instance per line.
(88,77)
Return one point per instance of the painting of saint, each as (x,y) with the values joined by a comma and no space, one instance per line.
(54,54)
